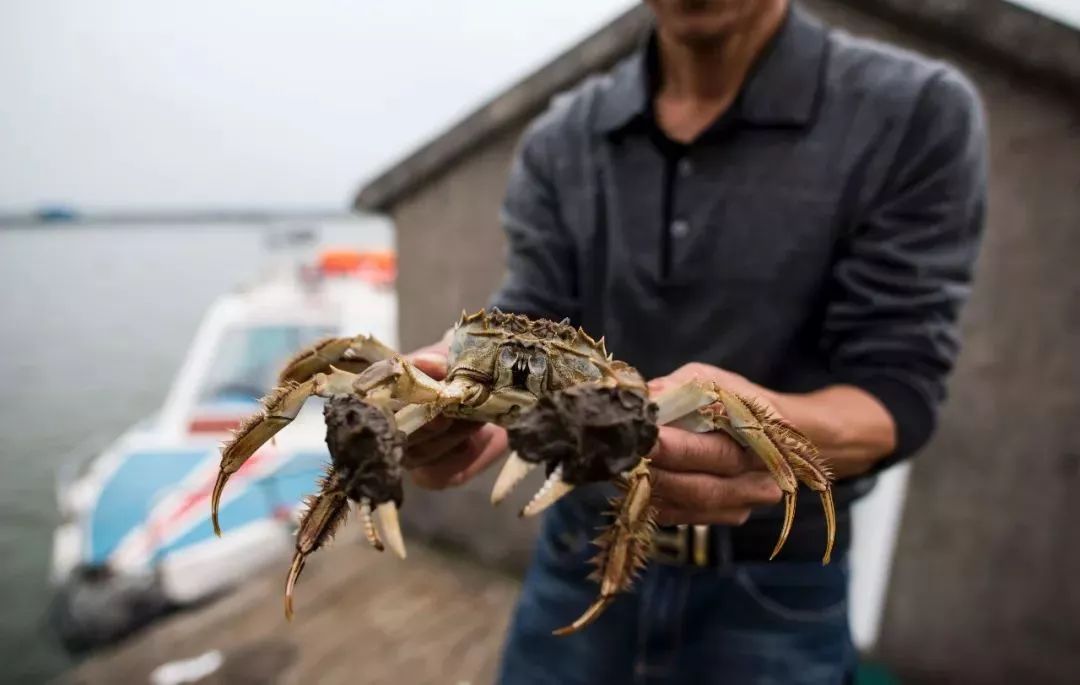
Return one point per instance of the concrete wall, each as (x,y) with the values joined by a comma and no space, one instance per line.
(984,588)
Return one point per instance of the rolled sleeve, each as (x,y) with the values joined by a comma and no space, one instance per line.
(891,321)
(541,274)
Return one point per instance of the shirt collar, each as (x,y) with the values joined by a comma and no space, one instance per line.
(782,88)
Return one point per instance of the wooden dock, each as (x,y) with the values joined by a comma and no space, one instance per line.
(361,618)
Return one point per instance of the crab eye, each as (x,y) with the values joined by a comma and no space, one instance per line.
(537,364)
(507,357)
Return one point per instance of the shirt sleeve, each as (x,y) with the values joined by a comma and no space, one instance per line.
(906,269)
(541,277)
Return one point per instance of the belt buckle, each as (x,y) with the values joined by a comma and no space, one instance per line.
(674,547)
(671,546)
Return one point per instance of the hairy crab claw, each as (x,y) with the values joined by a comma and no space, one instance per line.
(553,489)
(585,434)
(365,450)
(513,472)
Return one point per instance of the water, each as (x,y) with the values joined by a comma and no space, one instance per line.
(95,322)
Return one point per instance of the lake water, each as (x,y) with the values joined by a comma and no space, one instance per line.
(95,323)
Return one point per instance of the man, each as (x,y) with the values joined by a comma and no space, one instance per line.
(791,212)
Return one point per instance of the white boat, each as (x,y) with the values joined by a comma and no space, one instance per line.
(135,539)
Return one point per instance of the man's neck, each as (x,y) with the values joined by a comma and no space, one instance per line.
(700,81)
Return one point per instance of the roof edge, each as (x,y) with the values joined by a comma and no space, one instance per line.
(1008,34)
(597,52)
(1016,36)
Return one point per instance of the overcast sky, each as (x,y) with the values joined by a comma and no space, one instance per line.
(1067,11)
(137,104)
(248,103)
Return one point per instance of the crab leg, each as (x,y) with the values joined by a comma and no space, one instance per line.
(624,545)
(367,441)
(325,513)
(280,407)
(790,457)
(391,382)
(677,402)
(348,354)
(324,369)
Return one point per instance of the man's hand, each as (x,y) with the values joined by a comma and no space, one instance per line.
(708,478)
(448,452)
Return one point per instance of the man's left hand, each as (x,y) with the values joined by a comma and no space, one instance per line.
(708,478)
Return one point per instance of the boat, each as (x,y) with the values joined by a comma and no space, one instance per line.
(135,540)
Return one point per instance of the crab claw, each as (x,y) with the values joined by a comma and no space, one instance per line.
(585,434)
(370,531)
(553,489)
(513,471)
(387,514)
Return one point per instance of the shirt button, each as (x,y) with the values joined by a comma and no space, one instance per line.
(679,228)
(686,167)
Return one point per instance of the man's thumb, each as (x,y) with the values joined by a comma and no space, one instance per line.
(431,363)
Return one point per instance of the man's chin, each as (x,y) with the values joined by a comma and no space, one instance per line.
(698,35)
(699,27)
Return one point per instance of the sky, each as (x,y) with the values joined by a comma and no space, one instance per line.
(267,104)
(1065,11)
(256,104)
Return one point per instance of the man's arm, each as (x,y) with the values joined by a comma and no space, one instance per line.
(891,332)
(891,329)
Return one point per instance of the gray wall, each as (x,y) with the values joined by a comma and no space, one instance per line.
(451,245)
(984,587)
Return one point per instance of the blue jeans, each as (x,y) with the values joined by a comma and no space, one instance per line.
(745,624)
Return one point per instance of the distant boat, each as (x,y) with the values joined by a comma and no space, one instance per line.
(56,214)
(135,539)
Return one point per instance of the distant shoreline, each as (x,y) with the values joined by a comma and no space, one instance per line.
(71,218)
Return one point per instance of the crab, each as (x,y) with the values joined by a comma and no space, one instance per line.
(567,405)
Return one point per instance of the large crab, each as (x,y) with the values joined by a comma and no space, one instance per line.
(566,404)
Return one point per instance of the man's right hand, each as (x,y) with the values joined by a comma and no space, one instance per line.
(448,452)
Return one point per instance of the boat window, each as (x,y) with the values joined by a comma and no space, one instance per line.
(249,359)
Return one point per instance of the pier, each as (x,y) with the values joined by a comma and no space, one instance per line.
(361,617)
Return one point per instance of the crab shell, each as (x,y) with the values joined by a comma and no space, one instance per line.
(511,351)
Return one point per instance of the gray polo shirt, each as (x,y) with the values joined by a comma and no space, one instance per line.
(822,231)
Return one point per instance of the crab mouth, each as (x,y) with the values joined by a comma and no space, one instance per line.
(520,372)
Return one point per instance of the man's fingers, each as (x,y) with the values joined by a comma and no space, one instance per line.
(701,492)
(437,475)
(459,462)
(431,362)
(435,447)
(715,453)
(492,443)
(431,429)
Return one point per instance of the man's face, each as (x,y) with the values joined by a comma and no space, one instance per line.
(702,21)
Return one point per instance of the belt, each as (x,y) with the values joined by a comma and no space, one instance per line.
(709,546)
